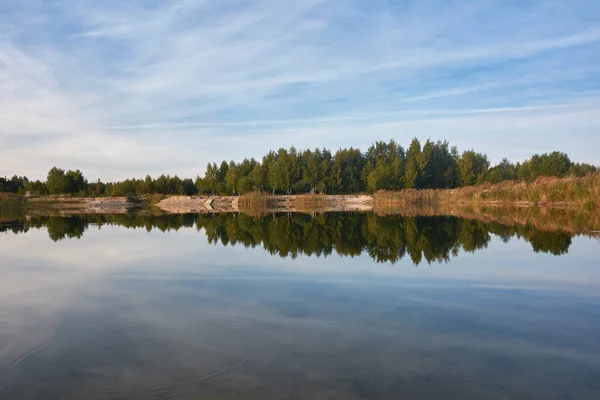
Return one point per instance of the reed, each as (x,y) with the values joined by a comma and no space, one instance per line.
(11,201)
(574,220)
(582,192)
(253,201)
(12,207)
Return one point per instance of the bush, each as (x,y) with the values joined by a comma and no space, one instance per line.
(132,198)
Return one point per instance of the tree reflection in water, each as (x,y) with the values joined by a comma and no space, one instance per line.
(384,238)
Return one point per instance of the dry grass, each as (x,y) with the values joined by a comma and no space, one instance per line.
(253,201)
(12,207)
(581,192)
(409,197)
(12,201)
(569,219)
(310,201)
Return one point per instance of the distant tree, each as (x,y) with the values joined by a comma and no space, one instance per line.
(148,185)
(413,169)
(383,167)
(325,182)
(257,178)
(76,182)
(582,169)
(472,168)
(346,171)
(269,171)
(504,171)
(38,188)
(439,169)
(161,184)
(97,188)
(231,178)
(222,173)
(244,170)
(56,181)
(311,168)
(16,184)
(555,164)
(188,187)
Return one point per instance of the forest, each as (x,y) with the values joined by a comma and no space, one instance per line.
(384,166)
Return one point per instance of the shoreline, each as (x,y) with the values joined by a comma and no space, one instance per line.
(84,205)
(566,219)
(272,203)
(569,217)
(545,192)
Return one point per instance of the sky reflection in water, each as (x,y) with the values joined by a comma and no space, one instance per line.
(131,314)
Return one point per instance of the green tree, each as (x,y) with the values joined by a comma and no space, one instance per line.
(412,172)
(311,168)
(76,182)
(269,171)
(231,178)
(555,164)
(257,177)
(472,168)
(383,167)
(504,171)
(56,181)
(38,188)
(188,187)
(220,178)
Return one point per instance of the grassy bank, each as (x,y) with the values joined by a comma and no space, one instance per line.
(10,201)
(580,192)
(12,206)
(569,219)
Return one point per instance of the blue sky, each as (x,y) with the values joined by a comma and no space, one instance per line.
(125,88)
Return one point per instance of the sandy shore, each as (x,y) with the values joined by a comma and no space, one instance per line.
(276,203)
(203,204)
(209,204)
(82,205)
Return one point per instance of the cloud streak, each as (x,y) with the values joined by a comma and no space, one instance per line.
(128,88)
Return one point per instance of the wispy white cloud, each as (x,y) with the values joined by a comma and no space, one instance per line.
(122,88)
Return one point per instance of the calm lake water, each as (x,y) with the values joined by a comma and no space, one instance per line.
(344,306)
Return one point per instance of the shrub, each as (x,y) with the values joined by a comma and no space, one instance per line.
(134,199)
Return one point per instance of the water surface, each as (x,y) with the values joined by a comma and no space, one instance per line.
(293,306)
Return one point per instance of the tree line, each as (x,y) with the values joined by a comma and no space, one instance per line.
(384,166)
(383,238)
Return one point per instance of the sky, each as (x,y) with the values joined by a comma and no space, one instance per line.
(129,88)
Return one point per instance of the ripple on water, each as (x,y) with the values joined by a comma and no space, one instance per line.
(106,351)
